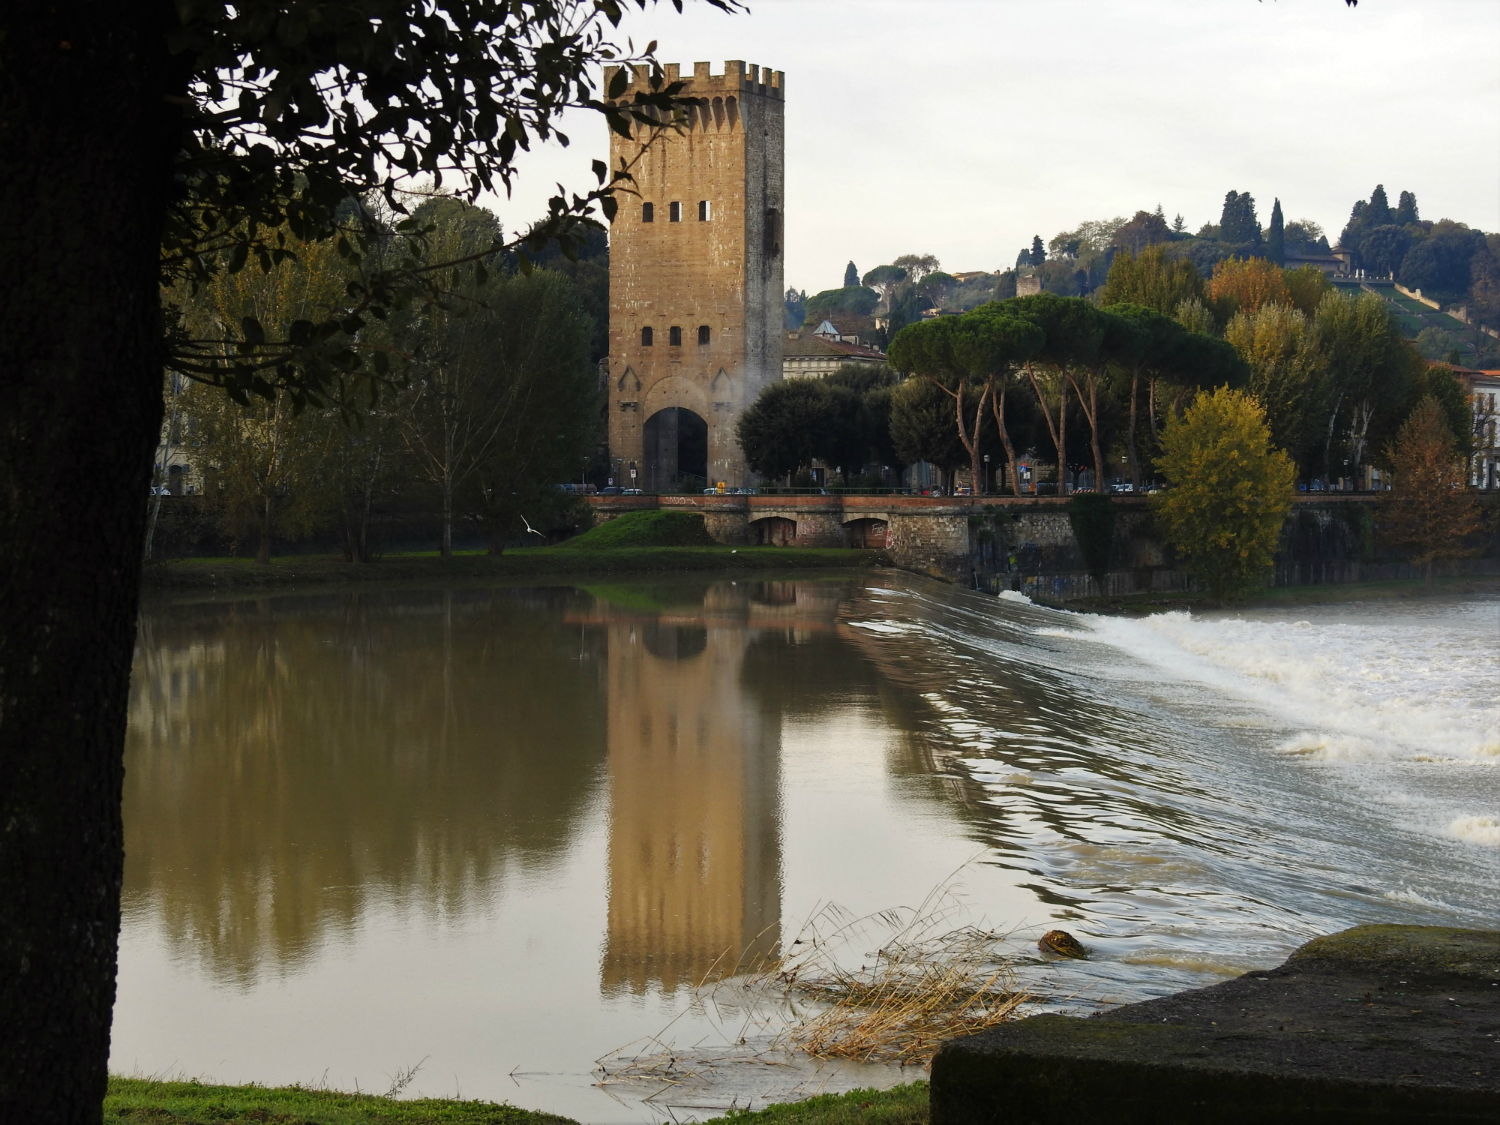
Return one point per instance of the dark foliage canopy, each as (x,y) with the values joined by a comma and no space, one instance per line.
(1238,223)
(854,299)
(1440,263)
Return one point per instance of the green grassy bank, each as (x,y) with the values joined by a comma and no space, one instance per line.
(1332,593)
(133,1101)
(530,562)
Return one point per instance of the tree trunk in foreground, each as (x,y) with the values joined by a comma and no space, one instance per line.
(86,144)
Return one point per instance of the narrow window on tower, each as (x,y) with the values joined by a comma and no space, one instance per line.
(703,214)
(674,212)
(648,212)
(647,337)
(674,336)
(702,333)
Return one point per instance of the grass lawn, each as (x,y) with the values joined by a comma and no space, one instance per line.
(133,1101)
(528,562)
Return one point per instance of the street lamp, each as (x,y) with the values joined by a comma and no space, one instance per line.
(984,486)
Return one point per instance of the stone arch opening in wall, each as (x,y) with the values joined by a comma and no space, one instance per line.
(674,642)
(718,110)
(676,450)
(869,533)
(732,111)
(773,531)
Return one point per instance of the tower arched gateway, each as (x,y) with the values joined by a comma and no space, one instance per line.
(695,280)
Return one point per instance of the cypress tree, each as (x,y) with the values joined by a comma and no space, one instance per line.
(1276,242)
(1406,209)
(1038,251)
(851,276)
(1379,212)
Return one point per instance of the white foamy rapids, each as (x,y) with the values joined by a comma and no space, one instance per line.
(1477,830)
(1362,686)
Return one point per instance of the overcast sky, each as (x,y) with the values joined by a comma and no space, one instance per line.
(961,129)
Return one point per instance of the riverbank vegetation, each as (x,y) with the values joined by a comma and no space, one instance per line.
(535,562)
(133,1101)
(491,397)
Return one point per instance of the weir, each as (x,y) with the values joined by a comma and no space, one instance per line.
(1027,544)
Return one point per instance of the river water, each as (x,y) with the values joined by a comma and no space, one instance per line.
(502,832)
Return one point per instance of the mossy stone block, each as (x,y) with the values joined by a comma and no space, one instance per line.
(1378,1024)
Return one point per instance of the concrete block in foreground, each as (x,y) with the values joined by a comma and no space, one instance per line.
(1374,1025)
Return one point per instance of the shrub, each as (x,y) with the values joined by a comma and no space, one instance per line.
(1230,491)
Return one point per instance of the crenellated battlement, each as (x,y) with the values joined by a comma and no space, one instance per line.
(738,78)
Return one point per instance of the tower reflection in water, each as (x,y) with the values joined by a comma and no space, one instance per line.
(298,763)
(694,773)
(694,780)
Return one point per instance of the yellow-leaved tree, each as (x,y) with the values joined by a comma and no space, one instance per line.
(1230,492)
(1247,285)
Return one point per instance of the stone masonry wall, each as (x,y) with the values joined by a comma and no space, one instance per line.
(997,543)
(718,268)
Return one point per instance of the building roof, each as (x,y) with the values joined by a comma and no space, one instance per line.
(848,323)
(805,345)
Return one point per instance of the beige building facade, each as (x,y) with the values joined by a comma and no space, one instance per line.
(696,280)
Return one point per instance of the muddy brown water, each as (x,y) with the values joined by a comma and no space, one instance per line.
(502,832)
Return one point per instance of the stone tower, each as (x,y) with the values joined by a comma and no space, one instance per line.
(695,281)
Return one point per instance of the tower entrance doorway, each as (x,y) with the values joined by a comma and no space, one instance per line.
(676,450)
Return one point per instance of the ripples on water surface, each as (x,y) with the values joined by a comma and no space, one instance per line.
(506,830)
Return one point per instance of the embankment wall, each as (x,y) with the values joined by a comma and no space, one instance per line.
(1028,544)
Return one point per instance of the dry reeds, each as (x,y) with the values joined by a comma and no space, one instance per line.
(923,984)
(925,981)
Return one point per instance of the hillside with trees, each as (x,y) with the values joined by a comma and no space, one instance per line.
(1088,385)
(1453,264)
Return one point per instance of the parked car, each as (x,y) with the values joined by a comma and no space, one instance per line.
(611,490)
